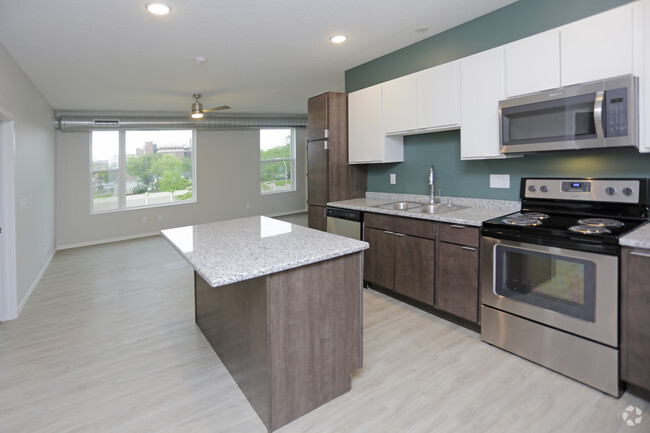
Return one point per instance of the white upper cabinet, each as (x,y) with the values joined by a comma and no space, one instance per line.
(598,47)
(367,142)
(421,102)
(481,89)
(399,104)
(642,22)
(437,104)
(533,64)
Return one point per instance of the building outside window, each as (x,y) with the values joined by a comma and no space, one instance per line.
(136,169)
(277,160)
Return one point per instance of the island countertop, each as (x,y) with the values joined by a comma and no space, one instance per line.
(230,251)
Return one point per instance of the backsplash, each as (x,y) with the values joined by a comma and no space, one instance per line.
(458,178)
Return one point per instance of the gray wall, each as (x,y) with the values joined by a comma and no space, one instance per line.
(227,186)
(471,178)
(34,168)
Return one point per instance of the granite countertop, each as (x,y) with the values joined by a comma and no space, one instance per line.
(639,238)
(478,210)
(227,252)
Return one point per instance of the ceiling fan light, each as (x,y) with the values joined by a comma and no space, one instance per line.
(197,107)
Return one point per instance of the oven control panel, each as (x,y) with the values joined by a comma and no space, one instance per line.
(603,190)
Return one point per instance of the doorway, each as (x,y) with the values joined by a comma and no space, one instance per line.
(8,284)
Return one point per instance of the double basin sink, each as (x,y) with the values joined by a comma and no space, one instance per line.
(415,207)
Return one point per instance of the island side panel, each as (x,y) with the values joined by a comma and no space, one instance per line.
(315,334)
(233,318)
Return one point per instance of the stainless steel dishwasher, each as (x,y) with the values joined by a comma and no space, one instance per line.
(345,222)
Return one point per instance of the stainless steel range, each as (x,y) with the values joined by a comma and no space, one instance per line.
(550,275)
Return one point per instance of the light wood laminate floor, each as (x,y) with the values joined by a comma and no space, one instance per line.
(107,343)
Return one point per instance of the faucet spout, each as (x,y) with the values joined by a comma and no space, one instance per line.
(432,183)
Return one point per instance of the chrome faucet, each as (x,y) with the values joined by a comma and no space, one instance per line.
(432,183)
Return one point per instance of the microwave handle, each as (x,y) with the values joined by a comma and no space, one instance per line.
(598,113)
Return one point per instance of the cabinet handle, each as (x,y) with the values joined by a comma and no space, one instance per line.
(389,233)
(399,234)
(456,226)
(470,248)
(640,254)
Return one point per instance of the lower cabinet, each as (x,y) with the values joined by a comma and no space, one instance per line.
(457,284)
(316,217)
(401,255)
(635,321)
(434,263)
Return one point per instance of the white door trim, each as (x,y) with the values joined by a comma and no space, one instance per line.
(8,285)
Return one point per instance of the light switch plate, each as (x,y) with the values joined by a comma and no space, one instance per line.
(499,181)
(393,179)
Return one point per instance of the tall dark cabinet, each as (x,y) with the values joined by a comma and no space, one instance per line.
(330,177)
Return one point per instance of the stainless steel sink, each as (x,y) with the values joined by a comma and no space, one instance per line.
(436,208)
(400,205)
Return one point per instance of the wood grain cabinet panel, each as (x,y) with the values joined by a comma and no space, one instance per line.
(635,317)
(316,218)
(379,259)
(457,280)
(414,267)
(398,260)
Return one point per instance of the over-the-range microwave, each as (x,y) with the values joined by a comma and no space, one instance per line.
(592,115)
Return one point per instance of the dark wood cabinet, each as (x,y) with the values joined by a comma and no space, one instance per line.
(401,255)
(635,317)
(379,259)
(329,176)
(457,271)
(414,267)
(316,217)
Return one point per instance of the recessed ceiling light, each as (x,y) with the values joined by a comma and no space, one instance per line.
(158,8)
(338,39)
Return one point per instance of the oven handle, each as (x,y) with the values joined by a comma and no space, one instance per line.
(640,254)
(598,113)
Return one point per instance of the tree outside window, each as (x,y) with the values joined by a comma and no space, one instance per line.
(134,169)
(277,160)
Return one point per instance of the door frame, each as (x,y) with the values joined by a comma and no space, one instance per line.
(8,281)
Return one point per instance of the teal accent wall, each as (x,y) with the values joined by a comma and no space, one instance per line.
(471,178)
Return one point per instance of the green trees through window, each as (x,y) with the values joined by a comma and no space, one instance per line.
(141,168)
(277,160)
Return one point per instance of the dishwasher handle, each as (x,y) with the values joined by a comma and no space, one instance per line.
(344,214)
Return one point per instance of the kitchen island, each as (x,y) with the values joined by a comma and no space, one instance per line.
(281,306)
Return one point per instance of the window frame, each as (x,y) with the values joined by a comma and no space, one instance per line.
(121,170)
(291,160)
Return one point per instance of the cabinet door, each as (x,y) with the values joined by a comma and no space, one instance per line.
(635,317)
(317,117)
(399,104)
(457,281)
(414,267)
(379,259)
(533,64)
(598,47)
(316,217)
(365,125)
(317,173)
(481,89)
(437,97)
(367,142)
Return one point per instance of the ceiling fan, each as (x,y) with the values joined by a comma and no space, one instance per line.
(198,110)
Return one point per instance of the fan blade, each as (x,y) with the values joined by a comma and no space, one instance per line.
(223,107)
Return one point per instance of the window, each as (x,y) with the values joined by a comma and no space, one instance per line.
(277,160)
(135,169)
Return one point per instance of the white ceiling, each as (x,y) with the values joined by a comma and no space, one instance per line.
(262,56)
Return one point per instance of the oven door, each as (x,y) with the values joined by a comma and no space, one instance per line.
(573,291)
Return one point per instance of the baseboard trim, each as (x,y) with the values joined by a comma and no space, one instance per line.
(107,241)
(35,283)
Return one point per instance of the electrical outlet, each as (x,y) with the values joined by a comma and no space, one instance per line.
(160,217)
(393,178)
(499,181)
(145,220)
